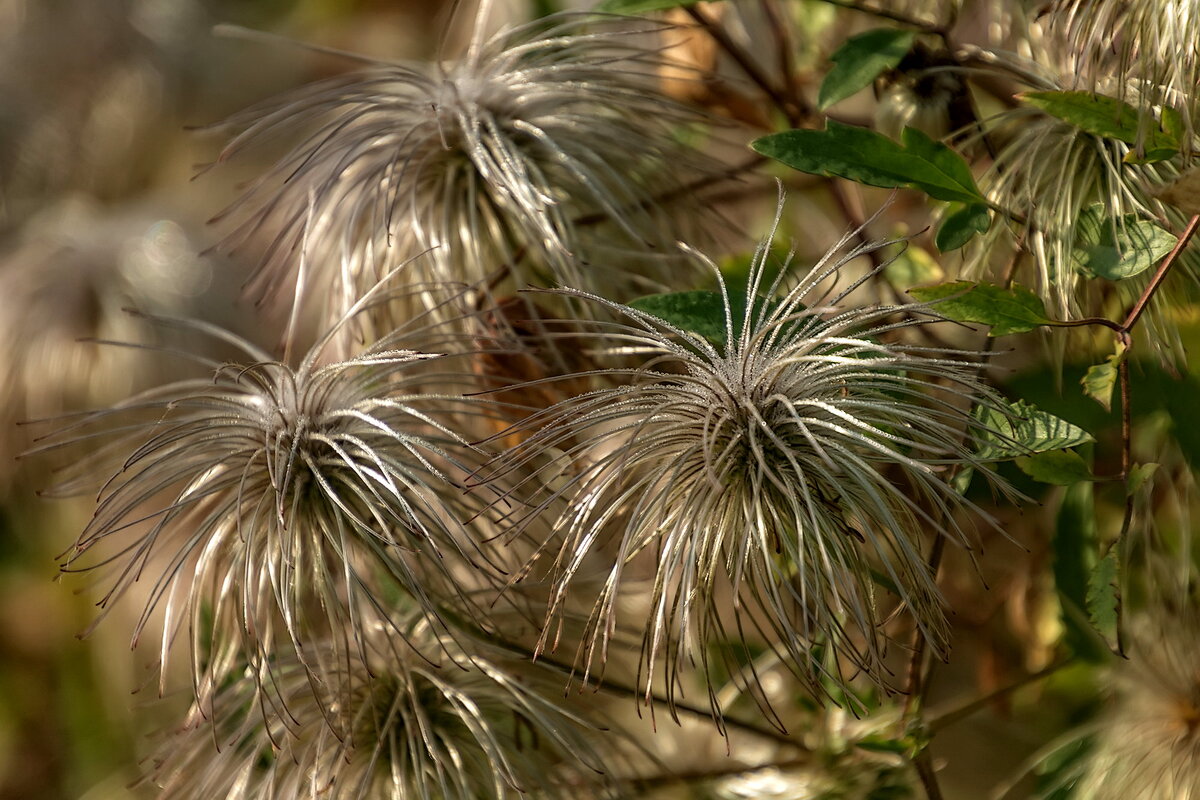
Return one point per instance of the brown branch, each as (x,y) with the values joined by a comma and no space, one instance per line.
(924,764)
(894,16)
(947,718)
(711,774)
(1140,306)
(746,63)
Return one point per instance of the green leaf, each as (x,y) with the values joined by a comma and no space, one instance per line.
(860,60)
(1104,599)
(906,746)
(1115,250)
(962,481)
(641,6)
(1099,379)
(1139,474)
(1058,467)
(698,312)
(861,155)
(1023,430)
(1014,310)
(912,267)
(1074,557)
(951,170)
(1058,775)
(1098,382)
(1110,118)
(961,225)
(736,269)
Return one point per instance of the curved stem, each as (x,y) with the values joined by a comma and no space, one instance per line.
(894,16)
(948,718)
(1161,274)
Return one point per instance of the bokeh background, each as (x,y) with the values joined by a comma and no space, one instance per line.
(104,205)
(102,109)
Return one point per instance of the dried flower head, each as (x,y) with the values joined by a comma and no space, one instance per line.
(764,476)
(1147,744)
(487,162)
(474,725)
(1056,181)
(1141,50)
(64,280)
(277,503)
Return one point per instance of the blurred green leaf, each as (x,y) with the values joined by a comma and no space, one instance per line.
(1115,250)
(862,59)
(1138,475)
(544,8)
(1058,467)
(1074,558)
(736,269)
(864,156)
(1108,118)
(1104,598)
(961,482)
(1014,310)
(641,6)
(1155,390)
(961,225)
(912,267)
(1058,773)
(1099,380)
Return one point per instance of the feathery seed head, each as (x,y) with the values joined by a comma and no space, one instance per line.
(465,728)
(1149,44)
(279,502)
(1050,173)
(777,469)
(486,162)
(1147,742)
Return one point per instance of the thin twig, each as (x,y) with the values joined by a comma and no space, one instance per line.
(613,687)
(746,63)
(710,774)
(687,190)
(1140,306)
(913,689)
(792,105)
(894,16)
(924,764)
(1079,323)
(947,718)
(787,59)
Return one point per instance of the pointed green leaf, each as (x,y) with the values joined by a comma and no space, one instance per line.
(1104,599)
(1058,467)
(861,155)
(912,267)
(1109,118)
(1098,383)
(1117,249)
(1074,559)
(961,225)
(1014,310)
(1138,476)
(1023,430)
(953,172)
(860,60)
(1058,774)
(962,481)
(1099,380)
